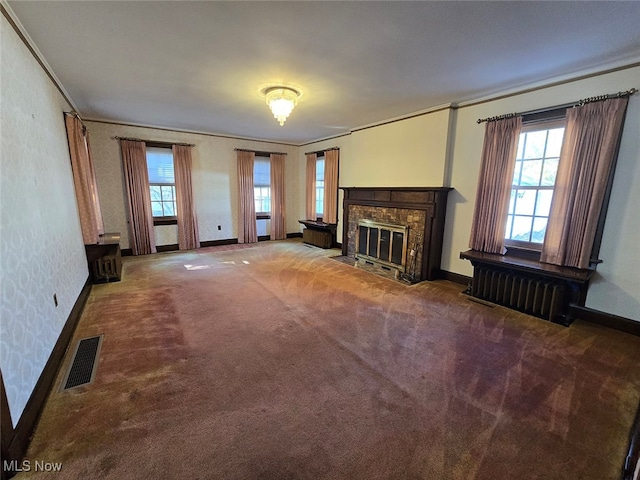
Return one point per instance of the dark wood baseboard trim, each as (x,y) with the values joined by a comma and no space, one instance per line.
(633,457)
(217,243)
(167,248)
(26,424)
(126,252)
(455,277)
(264,238)
(605,319)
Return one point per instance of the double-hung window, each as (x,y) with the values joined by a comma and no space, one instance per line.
(262,186)
(534,177)
(162,183)
(262,195)
(320,187)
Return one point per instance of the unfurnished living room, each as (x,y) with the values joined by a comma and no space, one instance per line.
(320,240)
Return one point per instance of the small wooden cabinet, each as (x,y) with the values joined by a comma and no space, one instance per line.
(105,259)
(318,233)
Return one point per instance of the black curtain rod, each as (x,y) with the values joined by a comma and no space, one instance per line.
(259,153)
(579,103)
(322,151)
(152,142)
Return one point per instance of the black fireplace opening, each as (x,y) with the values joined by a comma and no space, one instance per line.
(385,244)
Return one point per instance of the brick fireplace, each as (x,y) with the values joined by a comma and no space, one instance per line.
(417,212)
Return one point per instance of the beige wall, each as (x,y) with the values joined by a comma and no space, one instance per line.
(616,286)
(214,180)
(410,152)
(443,148)
(41,250)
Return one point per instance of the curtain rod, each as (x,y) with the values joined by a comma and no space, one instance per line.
(262,153)
(75,114)
(322,151)
(579,103)
(153,141)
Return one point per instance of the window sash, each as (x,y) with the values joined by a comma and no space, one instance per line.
(536,214)
(320,187)
(160,166)
(262,186)
(262,199)
(162,183)
(163,200)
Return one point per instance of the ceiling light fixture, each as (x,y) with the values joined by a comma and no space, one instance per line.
(281,101)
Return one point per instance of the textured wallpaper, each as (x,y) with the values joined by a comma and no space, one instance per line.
(41,248)
(214,180)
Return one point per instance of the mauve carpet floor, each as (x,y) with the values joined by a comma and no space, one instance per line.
(276,362)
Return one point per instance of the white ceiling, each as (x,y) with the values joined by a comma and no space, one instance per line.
(199,66)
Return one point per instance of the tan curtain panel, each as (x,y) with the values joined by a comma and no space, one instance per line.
(186,213)
(331,168)
(278,211)
(494,185)
(588,154)
(310,185)
(84,180)
(134,161)
(247,228)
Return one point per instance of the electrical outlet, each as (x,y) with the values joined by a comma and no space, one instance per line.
(219,227)
(55,299)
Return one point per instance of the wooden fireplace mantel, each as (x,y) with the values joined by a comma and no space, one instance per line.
(433,200)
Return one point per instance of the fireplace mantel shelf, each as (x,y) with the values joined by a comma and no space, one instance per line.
(401,189)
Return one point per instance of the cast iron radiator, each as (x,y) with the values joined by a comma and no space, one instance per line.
(542,297)
(107,268)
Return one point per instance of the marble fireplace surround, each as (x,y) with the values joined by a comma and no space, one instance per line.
(421,209)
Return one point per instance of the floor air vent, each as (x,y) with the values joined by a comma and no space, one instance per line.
(84,363)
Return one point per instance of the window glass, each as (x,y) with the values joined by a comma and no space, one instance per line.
(531,172)
(543,203)
(160,165)
(536,165)
(534,144)
(162,184)
(262,185)
(320,186)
